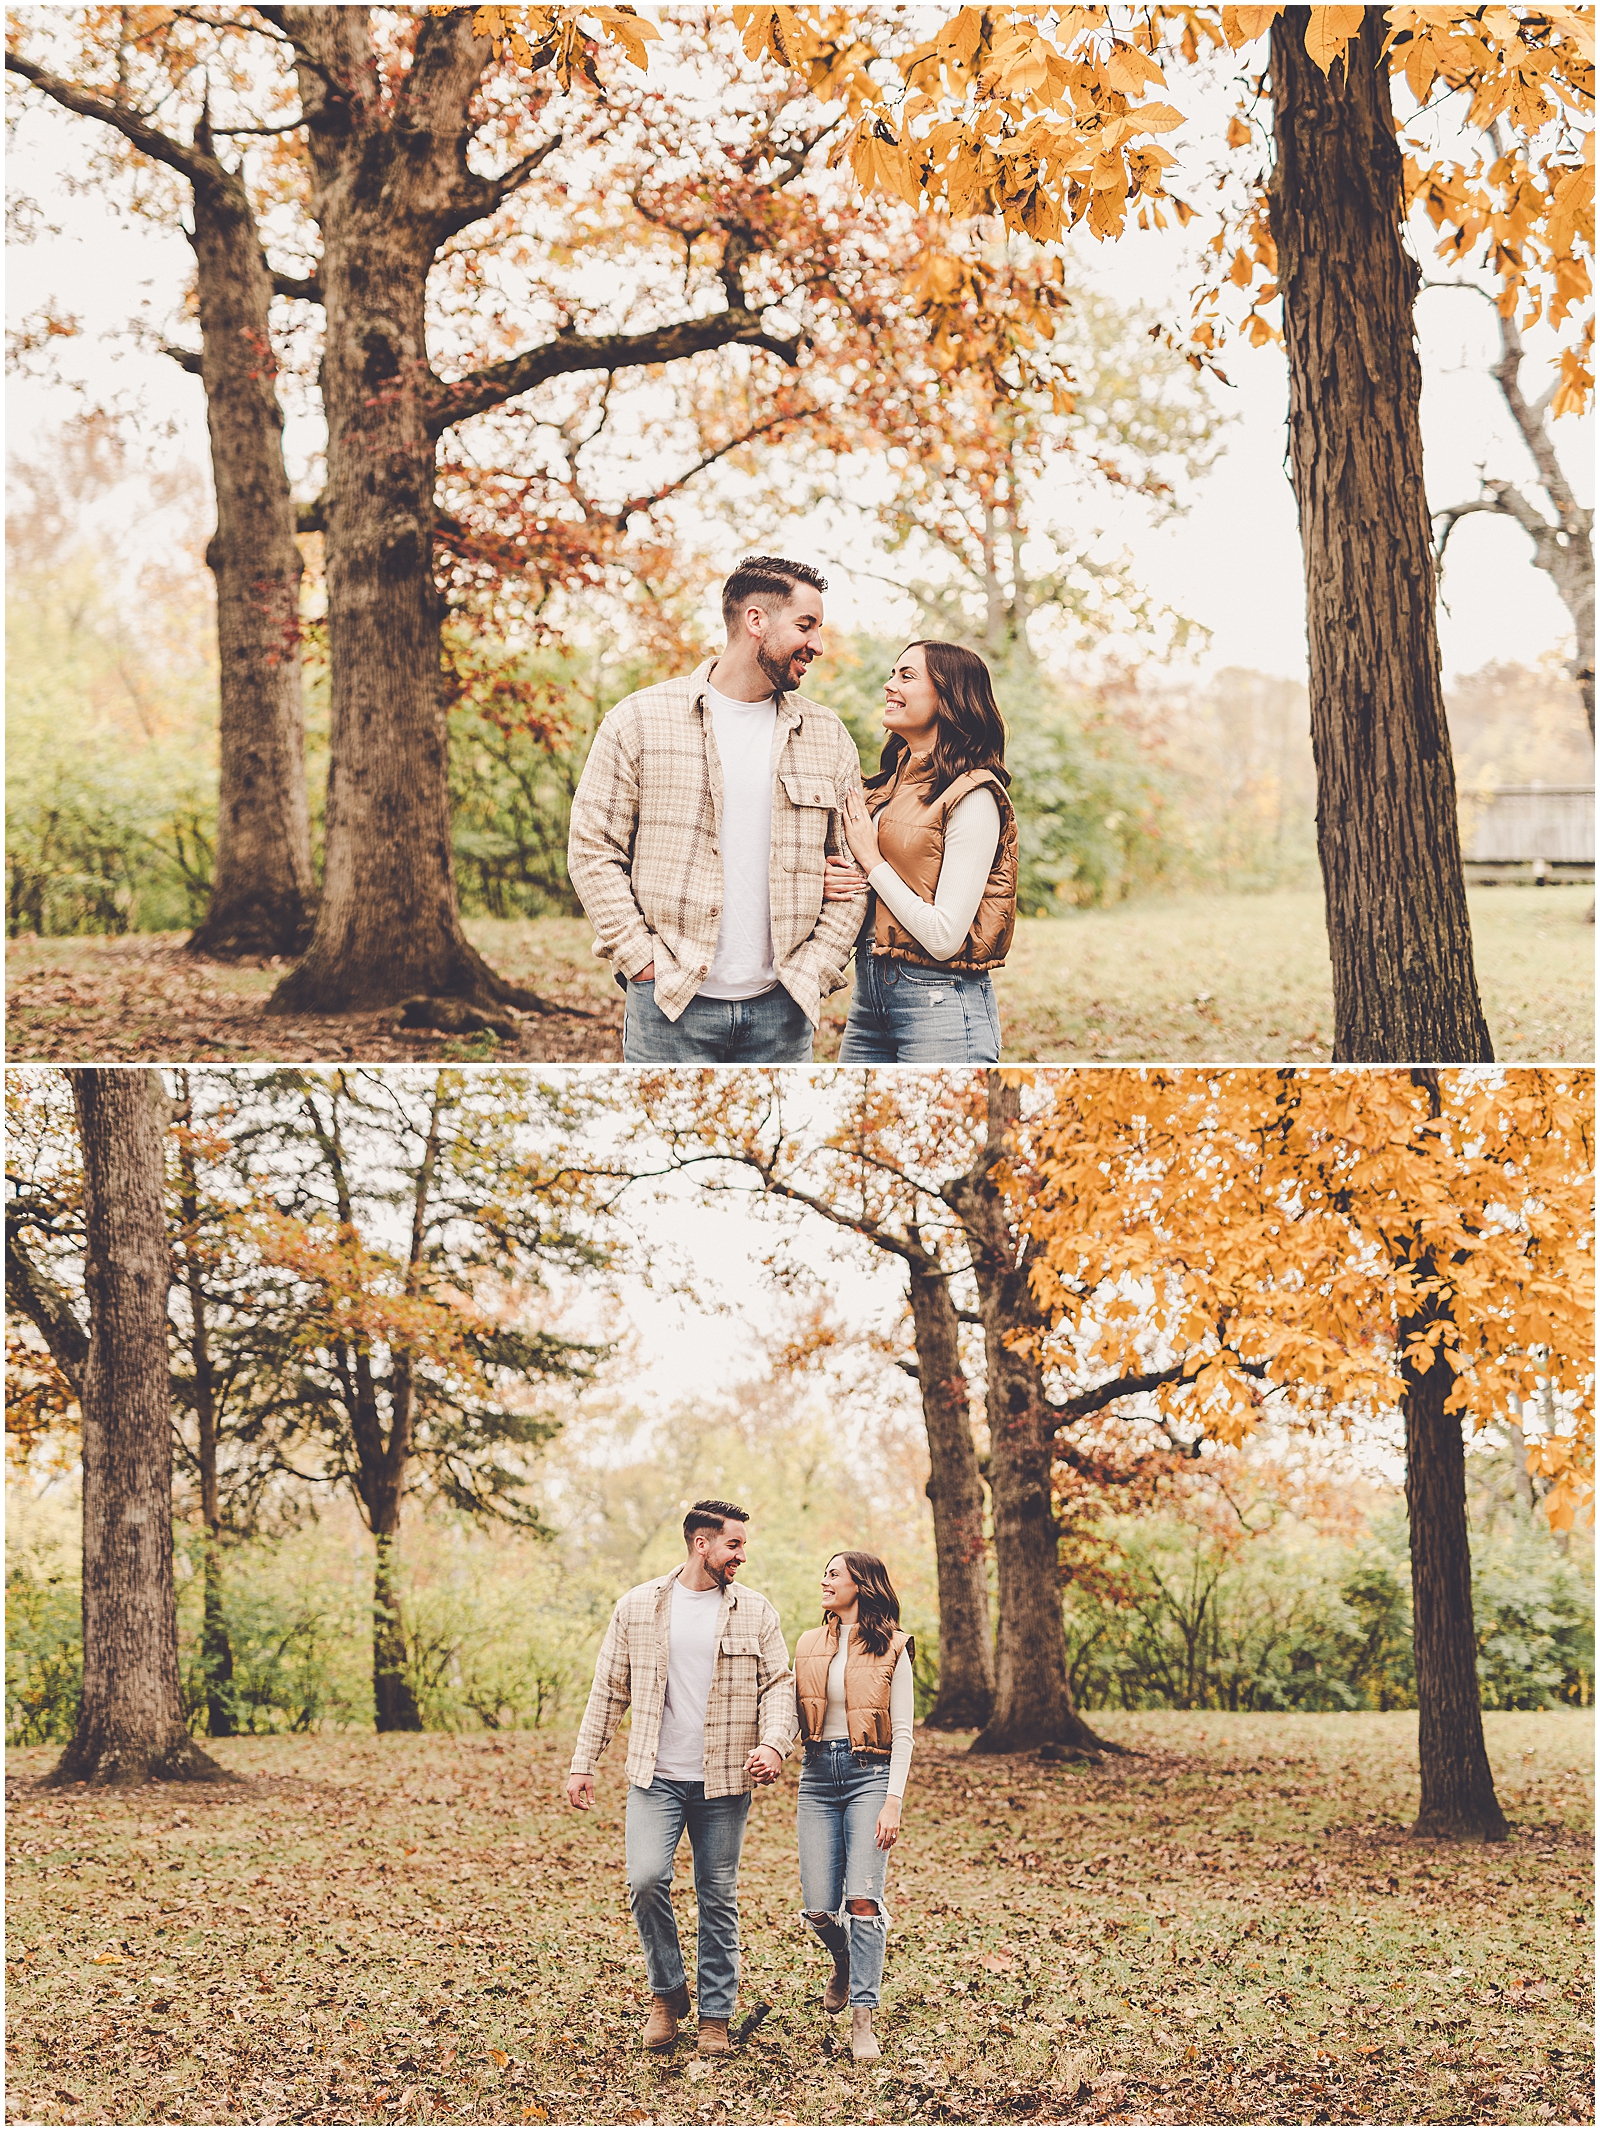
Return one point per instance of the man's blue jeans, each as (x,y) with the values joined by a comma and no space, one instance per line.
(836,1823)
(769,1030)
(903,1014)
(657,1818)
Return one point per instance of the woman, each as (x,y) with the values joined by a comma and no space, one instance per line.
(935,838)
(852,1681)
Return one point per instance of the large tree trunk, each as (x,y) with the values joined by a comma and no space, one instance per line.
(394,1705)
(388,924)
(955,1488)
(262,892)
(1033,1700)
(262,888)
(1458,1797)
(216,1651)
(130,1727)
(1574,580)
(1387,832)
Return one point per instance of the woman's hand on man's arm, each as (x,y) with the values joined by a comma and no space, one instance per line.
(842,881)
(860,833)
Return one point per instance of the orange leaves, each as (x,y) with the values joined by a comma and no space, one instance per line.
(1039,118)
(1329,30)
(1524,206)
(880,162)
(1576,388)
(1242,25)
(1303,1223)
(1132,71)
(537,37)
(1567,1462)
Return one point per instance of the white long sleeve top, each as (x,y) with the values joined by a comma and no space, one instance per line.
(902,1707)
(971,836)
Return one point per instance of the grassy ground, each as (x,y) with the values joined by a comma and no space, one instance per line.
(1231,1928)
(1201,977)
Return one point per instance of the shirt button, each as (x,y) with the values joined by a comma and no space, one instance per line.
(716,910)
(703,968)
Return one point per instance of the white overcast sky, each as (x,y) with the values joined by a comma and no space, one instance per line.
(1233,563)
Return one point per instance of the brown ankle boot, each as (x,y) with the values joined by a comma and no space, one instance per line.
(713,2040)
(661,2029)
(836,1994)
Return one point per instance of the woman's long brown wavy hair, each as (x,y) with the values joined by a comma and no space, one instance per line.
(877,1607)
(971,733)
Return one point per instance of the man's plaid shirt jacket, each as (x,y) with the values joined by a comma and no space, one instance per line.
(643,852)
(751,1702)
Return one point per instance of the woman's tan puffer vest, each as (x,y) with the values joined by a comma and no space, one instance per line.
(911,839)
(866,1685)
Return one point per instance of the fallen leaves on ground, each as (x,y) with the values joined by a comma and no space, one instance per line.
(1232,1927)
(1190,977)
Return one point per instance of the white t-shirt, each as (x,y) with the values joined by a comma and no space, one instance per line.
(743,965)
(691,1660)
(902,1708)
(971,838)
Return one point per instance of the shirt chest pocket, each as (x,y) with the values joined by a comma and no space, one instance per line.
(810,809)
(739,1655)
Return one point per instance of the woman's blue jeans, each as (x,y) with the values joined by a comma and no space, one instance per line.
(657,1818)
(836,1822)
(903,1014)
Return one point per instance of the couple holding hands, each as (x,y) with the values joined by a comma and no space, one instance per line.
(717,1709)
(731,860)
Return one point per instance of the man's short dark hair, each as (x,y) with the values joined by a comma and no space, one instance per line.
(711,1516)
(765,580)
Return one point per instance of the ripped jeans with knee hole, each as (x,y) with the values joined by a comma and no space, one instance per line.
(836,1822)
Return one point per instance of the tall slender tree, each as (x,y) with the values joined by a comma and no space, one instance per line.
(263,893)
(130,1725)
(1057,122)
(1387,828)
(398,1230)
(1405,1241)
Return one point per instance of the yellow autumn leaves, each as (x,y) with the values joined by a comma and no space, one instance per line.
(1328,1229)
(1055,119)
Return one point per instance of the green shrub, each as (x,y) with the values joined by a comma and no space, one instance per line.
(111,779)
(44,1655)
(520,734)
(1533,1608)
(1296,1619)
(1097,816)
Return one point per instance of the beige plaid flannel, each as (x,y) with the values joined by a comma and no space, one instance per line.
(751,1702)
(643,854)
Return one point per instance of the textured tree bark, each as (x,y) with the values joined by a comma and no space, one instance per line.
(955,1489)
(216,1651)
(263,892)
(1033,1699)
(262,888)
(1458,1797)
(1387,833)
(386,192)
(394,1705)
(131,1726)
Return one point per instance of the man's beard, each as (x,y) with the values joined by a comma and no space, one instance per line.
(776,672)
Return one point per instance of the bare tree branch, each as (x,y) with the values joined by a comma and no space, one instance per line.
(189,162)
(48,1308)
(569,352)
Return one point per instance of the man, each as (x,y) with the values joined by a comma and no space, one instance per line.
(700,830)
(707,1674)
